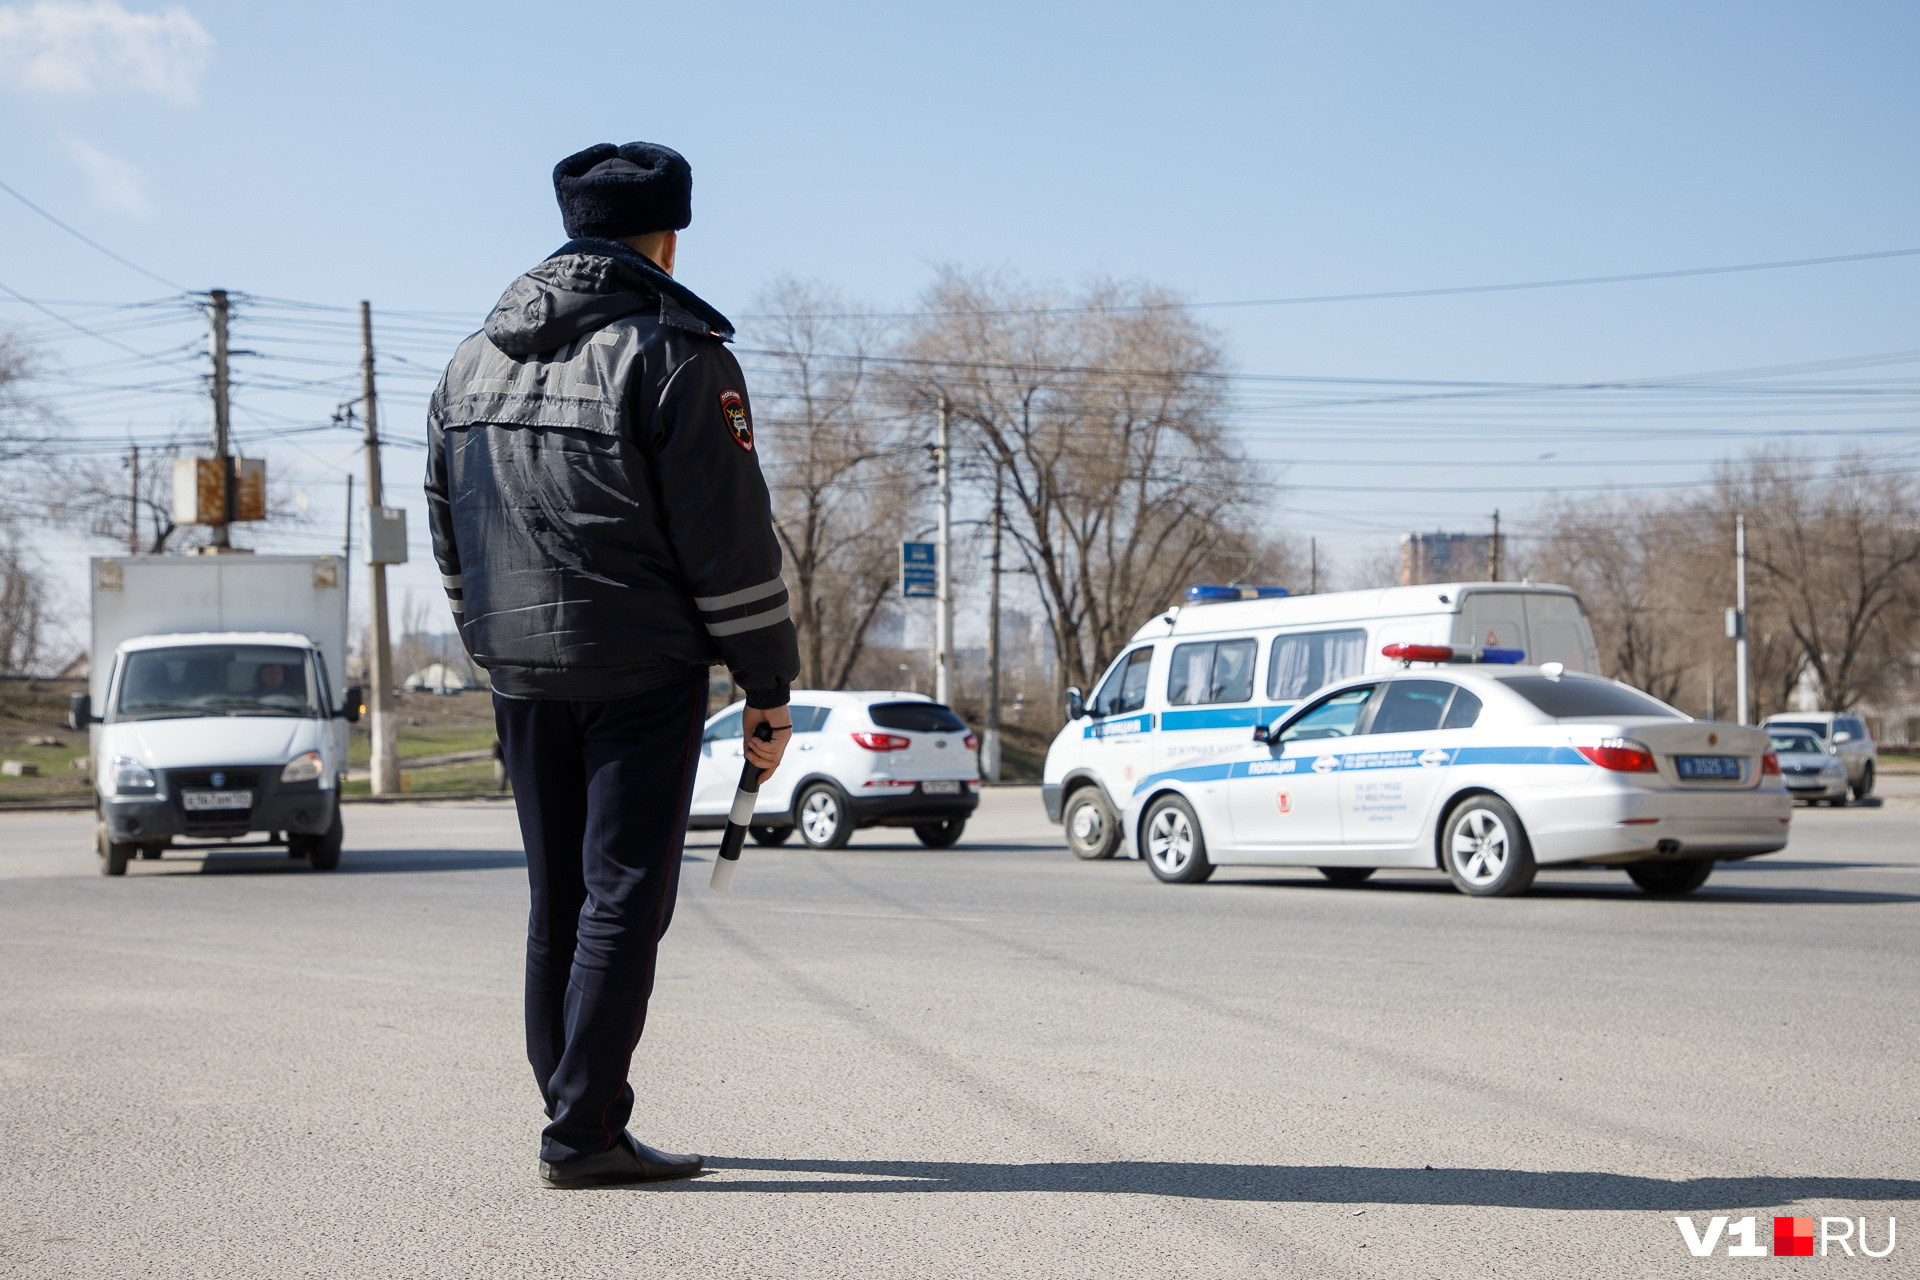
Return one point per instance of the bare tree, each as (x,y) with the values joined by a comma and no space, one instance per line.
(98,496)
(1106,422)
(23,607)
(840,464)
(1839,557)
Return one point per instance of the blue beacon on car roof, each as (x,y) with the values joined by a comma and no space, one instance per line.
(1208,593)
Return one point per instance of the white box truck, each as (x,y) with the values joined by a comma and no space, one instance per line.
(214,708)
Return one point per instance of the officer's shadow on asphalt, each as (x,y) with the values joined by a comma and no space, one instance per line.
(266,862)
(1300,1184)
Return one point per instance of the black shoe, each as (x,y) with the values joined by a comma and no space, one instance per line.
(628,1160)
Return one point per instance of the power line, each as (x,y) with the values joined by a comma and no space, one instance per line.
(90,241)
(1379,296)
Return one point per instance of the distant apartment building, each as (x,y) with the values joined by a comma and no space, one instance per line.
(1445,557)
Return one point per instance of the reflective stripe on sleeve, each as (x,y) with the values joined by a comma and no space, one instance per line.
(746,595)
(451,581)
(752,622)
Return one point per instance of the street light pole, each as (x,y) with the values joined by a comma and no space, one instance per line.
(943,589)
(990,741)
(385,759)
(1740,616)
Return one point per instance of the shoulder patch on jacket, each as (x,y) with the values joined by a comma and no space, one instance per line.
(735,410)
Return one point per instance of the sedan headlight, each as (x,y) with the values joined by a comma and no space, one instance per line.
(302,768)
(130,776)
(1833,766)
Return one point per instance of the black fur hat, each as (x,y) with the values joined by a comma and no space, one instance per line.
(610,191)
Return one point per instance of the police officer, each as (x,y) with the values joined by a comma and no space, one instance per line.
(604,535)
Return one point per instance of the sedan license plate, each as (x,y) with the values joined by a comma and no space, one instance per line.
(1708,767)
(200,801)
(941,788)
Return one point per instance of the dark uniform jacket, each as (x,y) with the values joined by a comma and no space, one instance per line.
(597,508)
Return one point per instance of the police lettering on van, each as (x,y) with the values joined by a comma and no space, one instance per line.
(1196,679)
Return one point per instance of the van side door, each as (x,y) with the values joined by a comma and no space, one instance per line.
(1209,700)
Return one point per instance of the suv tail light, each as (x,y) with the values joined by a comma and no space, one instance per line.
(883,741)
(1769,763)
(973,742)
(1622,755)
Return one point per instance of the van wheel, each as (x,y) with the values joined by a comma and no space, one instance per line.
(825,822)
(1484,849)
(322,852)
(941,835)
(1864,788)
(1176,851)
(113,853)
(1093,828)
(762,833)
(1671,879)
(1347,875)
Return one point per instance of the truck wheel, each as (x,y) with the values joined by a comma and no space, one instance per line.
(322,852)
(1176,851)
(1346,875)
(1093,828)
(1864,788)
(1484,849)
(825,822)
(762,833)
(113,854)
(1671,879)
(940,835)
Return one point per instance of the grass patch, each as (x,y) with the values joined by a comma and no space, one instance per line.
(475,775)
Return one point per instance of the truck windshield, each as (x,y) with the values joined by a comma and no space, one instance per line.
(217,680)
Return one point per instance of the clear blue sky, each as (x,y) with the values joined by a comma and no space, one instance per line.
(401,153)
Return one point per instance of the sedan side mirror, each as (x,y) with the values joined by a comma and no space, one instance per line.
(1261,733)
(80,712)
(1076,707)
(350,704)
(1842,736)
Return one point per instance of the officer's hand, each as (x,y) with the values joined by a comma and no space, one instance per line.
(767,754)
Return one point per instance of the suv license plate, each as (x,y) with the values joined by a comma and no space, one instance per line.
(199,801)
(941,788)
(1708,767)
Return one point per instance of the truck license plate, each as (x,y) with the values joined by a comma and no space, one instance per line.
(199,801)
(941,788)
(1708,766)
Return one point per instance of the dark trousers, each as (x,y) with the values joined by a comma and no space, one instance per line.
(602,788)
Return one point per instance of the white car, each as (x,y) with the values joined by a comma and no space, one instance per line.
(857,759)
(1487,772)
(1812,773)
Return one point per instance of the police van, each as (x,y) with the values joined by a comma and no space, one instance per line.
(1196,679)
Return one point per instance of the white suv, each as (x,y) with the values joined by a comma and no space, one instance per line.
(866,759)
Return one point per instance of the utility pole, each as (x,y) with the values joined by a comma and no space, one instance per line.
(943,591)
(1313,566)
(990,742)
(385,759)
(133,502)
(1738,623)
(217,314)
(346,563)
(1493,553)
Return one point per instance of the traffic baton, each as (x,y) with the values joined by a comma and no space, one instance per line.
(739,816)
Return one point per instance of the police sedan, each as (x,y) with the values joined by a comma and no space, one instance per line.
(1485,771)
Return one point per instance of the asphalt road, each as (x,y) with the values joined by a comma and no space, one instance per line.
(989,1061)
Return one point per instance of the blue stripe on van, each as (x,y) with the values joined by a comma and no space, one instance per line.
(1222,717)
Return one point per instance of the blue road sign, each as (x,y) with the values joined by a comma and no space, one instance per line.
(919,570)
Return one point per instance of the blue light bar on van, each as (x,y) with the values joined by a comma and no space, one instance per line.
(1208,594)
(1450,653)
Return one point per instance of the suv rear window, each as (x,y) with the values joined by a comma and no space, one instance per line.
(1569,697)
(916,717)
